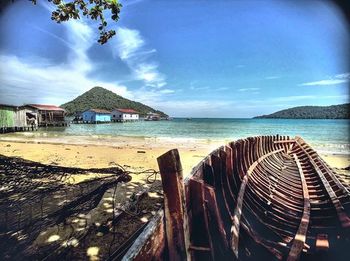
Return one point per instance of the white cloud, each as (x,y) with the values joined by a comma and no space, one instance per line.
(343,76)
(272,77)
(46,84)
(337,79)
(39,81)
(202,88)
(130,47)
(325,82)
(166,91)
(248,89)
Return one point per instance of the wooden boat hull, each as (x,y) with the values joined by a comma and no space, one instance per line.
(260,198)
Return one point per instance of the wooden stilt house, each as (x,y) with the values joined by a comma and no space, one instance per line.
(17,118)
(49,115)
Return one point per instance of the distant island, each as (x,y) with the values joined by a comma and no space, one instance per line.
(100,98)
(340,111)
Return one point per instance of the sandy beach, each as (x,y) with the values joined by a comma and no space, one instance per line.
(133,154)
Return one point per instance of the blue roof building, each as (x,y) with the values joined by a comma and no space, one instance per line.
(96,115)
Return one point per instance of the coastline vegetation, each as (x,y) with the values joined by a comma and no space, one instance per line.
(340,111)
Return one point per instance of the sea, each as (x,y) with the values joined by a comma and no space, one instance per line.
(325,136)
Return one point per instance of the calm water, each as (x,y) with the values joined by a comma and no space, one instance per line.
(323,135)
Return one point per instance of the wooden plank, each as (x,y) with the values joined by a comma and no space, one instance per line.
(284,141)
(176,220)
(199,230)
(228,195)
(220,195)
(216,228)
(150,244)
(300,237)
(342,215)
(238,210)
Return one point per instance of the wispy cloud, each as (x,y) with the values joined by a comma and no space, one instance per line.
(131,48)
(45,81)
(46,84)
(199,88)
(272,77)
(39,80)
(337,79)
(222,88)
(166,91)
(248,89)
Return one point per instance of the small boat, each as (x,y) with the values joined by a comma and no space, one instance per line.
(259,198)
(151,116)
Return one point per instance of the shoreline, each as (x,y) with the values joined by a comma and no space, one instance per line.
(136,153)
(154,142)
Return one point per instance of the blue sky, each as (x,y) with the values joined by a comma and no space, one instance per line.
(187,58)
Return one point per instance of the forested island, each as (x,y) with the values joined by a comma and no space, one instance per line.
(340,111)
(100,98)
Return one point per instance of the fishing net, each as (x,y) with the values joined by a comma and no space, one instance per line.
(48,212)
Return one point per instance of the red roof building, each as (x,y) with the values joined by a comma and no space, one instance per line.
(128,111)
(122,115)
(48,115)
(45,107)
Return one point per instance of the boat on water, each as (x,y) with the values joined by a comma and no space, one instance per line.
(259,198)
(152,116)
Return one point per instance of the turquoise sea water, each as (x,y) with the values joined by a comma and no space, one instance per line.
(330,136)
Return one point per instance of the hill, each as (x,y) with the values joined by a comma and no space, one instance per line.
(100,98)
(312,112)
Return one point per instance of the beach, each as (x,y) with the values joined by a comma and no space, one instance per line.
(79,160)
(136,155)
(132,153)
(84,164)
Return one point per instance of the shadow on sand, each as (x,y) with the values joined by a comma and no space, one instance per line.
(35,197)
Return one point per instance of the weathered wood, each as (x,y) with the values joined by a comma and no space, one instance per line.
(228,195)
(219,192)
(176,221)
(273,217)
(342,215)
(199,230)
(150,245)
(284,141)
(239,205)
(217,231)
(300,237)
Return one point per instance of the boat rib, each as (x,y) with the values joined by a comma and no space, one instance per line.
(259,198)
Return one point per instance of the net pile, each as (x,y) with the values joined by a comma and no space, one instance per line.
(38,199)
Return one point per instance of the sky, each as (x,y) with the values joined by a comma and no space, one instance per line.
(187,58)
